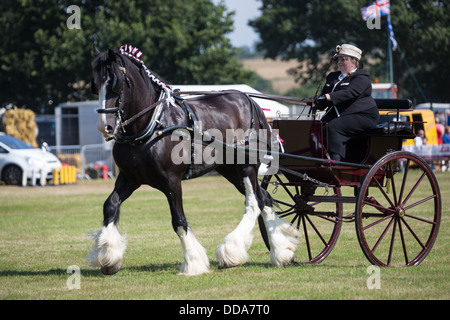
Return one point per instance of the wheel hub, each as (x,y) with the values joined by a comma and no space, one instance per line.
(301,206)
(400,212)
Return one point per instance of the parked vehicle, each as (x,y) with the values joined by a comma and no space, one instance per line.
(384,90)
(20,162)
(420,120)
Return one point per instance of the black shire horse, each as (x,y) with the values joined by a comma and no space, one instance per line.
(149,123)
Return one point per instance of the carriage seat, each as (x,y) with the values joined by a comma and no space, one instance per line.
(371,144)
(392,128)
(393,104)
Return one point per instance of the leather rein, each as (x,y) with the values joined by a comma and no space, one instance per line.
(292,100)
(163,101)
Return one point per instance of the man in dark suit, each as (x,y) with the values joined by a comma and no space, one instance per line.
(346,97)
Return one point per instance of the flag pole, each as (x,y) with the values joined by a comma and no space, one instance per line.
(391,65)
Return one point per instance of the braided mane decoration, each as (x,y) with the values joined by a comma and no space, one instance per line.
(136,54)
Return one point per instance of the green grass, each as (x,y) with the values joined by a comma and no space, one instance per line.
(43,231)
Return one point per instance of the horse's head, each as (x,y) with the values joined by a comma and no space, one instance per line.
(117,79)
(107,82)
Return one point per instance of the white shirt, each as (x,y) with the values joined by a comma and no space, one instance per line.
(418,141)
(343,75)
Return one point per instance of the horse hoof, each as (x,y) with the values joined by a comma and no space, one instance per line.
(109,271)
(228,266)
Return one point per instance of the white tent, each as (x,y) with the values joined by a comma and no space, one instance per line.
(270,107)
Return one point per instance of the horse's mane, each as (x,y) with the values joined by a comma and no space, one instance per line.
(132,55)
(102,61)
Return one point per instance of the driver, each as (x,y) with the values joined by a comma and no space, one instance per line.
(346,97)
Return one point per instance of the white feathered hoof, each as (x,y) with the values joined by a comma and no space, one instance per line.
(195,259)
(233,251)
(107,249)
(231,254)
(111,270)
(283,239)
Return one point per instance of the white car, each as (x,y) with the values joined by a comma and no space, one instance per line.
(20,162)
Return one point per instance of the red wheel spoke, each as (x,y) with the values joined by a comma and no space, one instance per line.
(295,218)
(402,189)
(317,231)
(402,238)
(328,219)
(299,221)
(378,206)
(413,234)
(420,202)
(421,219)
(284,187)
(284,203)
(380,187)
(308,245)
(391,173)
(382,235)
(377,222)
(414,188)
(391,248)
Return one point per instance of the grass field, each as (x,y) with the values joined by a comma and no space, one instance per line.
(44,231)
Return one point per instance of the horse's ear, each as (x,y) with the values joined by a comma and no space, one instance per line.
(111,55)
(94,89)
(95,51)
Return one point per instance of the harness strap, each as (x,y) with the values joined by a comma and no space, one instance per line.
(149,129)
(192,123)
(293,100)
(141,113)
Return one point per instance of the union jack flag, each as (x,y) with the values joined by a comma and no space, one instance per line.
(391,33)
(377,9)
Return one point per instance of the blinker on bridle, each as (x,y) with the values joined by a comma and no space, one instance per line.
(116,88)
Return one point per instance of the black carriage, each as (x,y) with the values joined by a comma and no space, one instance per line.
(393,196)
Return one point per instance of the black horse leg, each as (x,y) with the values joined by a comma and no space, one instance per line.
(195,259)
(108,244)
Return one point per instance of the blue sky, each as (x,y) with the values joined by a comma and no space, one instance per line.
(245,10)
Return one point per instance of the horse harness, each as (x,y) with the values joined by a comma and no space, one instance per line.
(155,126)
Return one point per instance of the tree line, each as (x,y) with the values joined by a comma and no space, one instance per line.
(46,47)
(309,30)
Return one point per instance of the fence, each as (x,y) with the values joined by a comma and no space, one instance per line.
(94,161)
(91,161)
(430,152)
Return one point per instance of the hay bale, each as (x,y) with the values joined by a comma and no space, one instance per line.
(20,124)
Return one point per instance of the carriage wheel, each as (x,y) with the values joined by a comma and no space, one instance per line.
(397,222)
(319,223)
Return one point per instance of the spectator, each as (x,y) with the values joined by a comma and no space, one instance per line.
(420,138)
(446,138)
(440,132)
(440,117)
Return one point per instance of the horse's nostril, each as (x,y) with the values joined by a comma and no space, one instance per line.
(109,129)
